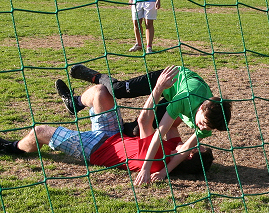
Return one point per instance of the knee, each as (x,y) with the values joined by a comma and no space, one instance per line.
(38,130)
(101,91)
(103,99)
(136,24)
(149,24)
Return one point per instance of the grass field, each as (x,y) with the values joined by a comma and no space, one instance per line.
(226,42)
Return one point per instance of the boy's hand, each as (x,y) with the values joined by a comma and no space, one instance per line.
(166,80)
(142,177)
(158,176)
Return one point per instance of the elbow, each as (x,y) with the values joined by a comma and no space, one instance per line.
(141,120)
(144,121)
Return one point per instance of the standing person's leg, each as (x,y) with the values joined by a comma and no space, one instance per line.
(149,34)
(138,31)
(137,17)
(150,15)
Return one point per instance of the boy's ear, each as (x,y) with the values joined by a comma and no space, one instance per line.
(200,107)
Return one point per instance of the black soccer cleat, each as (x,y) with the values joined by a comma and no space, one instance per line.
(5,146)
(79,71)
(65,95)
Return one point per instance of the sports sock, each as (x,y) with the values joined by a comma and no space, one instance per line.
(78,104)
(15,149)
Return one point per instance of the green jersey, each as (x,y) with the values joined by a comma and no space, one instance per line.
(186,96)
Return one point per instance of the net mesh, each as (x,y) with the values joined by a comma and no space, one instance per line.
(42,40)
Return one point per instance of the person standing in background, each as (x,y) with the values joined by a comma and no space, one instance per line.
(146,10)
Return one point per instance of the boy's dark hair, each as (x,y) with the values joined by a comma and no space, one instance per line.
(194,166)
(214,114)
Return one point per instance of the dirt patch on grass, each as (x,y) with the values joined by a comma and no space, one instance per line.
(54,42)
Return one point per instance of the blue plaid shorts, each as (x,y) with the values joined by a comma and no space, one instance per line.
(69,141)
(107,122)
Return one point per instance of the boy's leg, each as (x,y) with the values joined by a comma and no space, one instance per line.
(65,95)
(98,97)
(135,87)
(104,117)
(43,134)
(82,72)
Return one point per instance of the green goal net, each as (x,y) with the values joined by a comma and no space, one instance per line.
(225,42)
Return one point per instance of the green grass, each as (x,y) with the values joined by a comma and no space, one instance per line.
(35,198)
(27,76)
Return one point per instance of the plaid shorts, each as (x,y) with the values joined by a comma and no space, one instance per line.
(69,141)
(107,122)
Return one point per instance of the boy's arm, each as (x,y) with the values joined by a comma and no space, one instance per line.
(146,116)
(144,174)
(164,81)
(177,159)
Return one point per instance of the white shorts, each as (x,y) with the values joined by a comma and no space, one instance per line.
(144,10)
